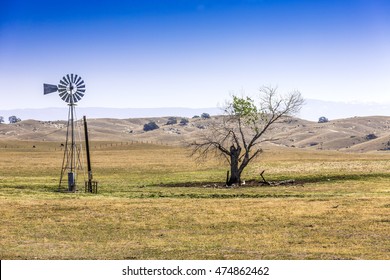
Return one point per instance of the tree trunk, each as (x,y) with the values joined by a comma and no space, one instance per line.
(235,174)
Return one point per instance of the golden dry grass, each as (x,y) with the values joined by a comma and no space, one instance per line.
(342,210)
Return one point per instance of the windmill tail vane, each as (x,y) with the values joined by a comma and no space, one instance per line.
(49,88)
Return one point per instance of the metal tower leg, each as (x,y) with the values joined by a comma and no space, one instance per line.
(71,158)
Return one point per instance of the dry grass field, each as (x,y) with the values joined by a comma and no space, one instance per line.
(156,203)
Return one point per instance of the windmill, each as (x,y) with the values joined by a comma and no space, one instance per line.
(71,89)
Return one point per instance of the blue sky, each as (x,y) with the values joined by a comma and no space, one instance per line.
(193,53)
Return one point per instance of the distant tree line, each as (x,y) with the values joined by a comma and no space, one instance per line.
(11,119)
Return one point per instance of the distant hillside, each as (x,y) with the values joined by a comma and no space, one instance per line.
(359,134)
(312,110)
(52,114)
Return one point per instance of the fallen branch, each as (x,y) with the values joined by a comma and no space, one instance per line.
(277,183)
(285,182)
(264,181)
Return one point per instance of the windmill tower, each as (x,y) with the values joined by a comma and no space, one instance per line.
(71,89)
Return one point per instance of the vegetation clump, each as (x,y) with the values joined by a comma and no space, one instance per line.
(171,121)
(371,136)
(323,120)
(14,119)
(183,122)
(150,126)
(205,116)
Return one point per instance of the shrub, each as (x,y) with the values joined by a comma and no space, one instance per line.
(323,120)
(150,126)
(371,136)
(171,121)
(183,121)
(205,116)
(13,119)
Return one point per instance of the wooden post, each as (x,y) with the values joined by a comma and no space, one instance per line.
(88,155)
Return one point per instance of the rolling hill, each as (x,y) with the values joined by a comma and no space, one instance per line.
(358,134)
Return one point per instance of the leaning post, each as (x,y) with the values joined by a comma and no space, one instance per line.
(89,183)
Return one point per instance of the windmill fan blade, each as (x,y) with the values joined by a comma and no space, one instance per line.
(62,95)
(64,80)
(63,83)
(62,92)
(49,88)
(67,100)
(68,78)
(80,90)
(67,81)
(78,80)
(78,96)
(81,84)
(72,79)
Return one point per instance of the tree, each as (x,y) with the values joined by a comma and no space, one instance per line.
(1,119)
(205,116)
(150,126)
(243,128)
(171,121)
(14,119)
(323,120)
(184,121)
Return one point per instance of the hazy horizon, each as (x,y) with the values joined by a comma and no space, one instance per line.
(312,110)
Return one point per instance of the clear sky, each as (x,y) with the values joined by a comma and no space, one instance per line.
(193,53)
